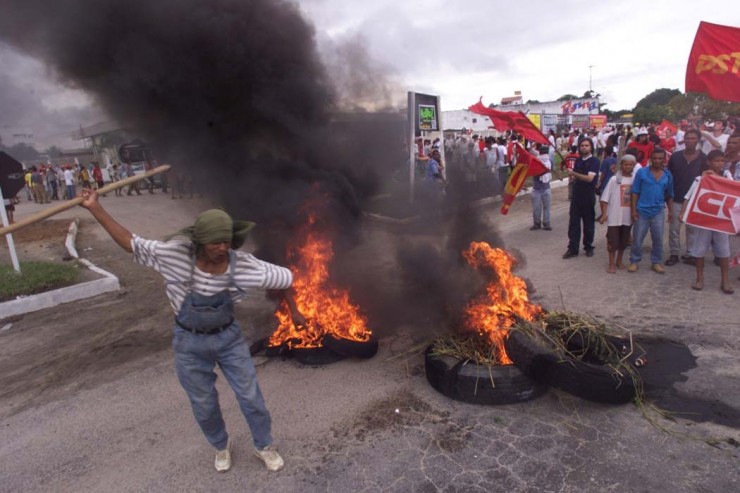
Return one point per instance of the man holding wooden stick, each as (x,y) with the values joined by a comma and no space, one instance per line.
(204,277)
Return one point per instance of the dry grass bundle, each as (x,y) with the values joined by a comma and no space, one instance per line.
(467,348)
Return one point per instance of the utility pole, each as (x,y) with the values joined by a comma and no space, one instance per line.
(589,79)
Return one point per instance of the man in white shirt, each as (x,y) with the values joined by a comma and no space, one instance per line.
(717,139)
(69,182)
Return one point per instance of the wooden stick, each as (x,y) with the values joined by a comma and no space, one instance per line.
(78,200)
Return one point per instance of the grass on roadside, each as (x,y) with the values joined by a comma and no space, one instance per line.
(35,277)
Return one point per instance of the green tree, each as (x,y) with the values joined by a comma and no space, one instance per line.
(657,97)
(700,106)
(652,114)
(654,107)
(567,97)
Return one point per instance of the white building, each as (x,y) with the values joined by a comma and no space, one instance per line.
(551,113)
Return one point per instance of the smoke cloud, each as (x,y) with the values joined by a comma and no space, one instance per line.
(234,93)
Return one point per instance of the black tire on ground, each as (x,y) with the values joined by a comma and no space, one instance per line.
(281,350)
(598,383)
(316,356)
(258,346)
(475,383)
(351,349)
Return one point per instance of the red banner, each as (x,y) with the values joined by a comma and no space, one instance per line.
(510,120)
(526,165)
(711,206)
(714,62)
(597,122)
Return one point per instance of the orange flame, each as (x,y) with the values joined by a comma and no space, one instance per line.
(327,310)
(506,297)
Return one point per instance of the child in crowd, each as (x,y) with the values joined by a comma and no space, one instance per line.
(703,238)
(541,194)
(616,212)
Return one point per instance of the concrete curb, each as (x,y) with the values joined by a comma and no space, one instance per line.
(49,299)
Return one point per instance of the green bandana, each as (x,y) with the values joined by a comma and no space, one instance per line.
(216,226)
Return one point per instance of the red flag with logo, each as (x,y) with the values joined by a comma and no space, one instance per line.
(511,120)
(666,125)
(714,62)
(526,165)
(713,205)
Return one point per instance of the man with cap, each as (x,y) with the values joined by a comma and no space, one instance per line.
(643,145)
(205,276)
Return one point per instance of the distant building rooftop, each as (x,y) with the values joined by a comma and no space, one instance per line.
(512,100)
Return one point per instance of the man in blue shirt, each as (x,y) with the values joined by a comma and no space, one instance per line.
(652,189)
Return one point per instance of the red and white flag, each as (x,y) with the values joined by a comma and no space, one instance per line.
(714,62)
(715,205)
(526,165)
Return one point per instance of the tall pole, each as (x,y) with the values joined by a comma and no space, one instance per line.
(412,142)
(589,79)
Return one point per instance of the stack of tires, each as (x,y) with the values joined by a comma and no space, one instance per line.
(538,364)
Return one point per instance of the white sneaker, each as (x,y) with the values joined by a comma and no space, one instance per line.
(223,458)
(270,457)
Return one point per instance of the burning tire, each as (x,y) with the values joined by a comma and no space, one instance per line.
(351,349)
(479,384)
(590,381)
(333,349)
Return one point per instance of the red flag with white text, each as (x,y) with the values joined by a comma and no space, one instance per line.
(714,62)
(526,165)
(713,205)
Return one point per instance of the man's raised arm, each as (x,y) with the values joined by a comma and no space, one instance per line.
(120,235)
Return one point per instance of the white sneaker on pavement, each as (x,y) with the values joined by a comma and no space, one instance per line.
(270,457)
(223,458)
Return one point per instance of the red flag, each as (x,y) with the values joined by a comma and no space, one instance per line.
(714,62)
(526,165)
(711,206)
(510,120)
(666,125)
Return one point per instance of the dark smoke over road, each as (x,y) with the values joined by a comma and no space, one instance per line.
(234,93)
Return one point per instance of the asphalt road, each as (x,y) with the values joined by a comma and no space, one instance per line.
(377,425)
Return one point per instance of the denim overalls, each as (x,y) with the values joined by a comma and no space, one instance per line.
(206,334)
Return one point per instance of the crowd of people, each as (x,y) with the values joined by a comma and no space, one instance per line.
(640,176)
(50,182)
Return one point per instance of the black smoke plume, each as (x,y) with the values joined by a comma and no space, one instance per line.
(233,93)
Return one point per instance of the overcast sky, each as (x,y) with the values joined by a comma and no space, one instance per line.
(490,48)
(459,50)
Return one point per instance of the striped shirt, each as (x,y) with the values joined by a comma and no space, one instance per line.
(174,261)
